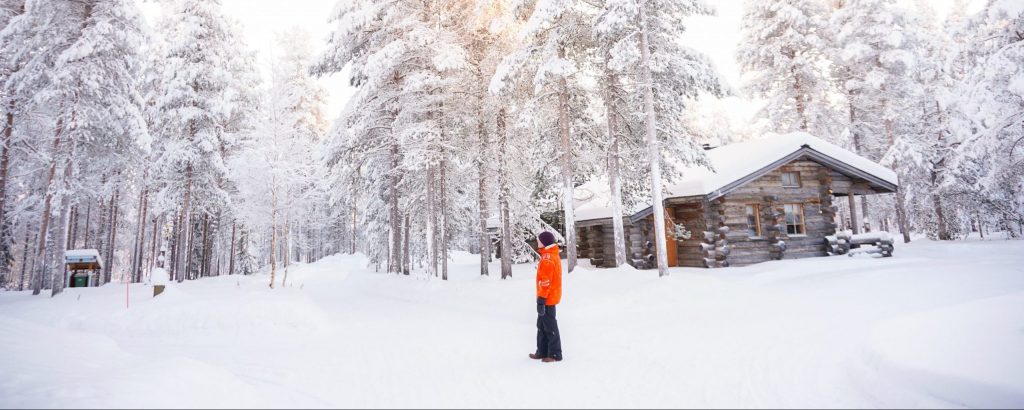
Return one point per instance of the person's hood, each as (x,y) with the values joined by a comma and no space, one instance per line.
(553,248)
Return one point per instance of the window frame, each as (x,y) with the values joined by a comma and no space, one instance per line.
(757,232)
(802,219)
(799,182)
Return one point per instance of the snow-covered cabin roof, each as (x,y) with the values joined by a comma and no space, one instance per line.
(593,200)
(83,256)
(737,164)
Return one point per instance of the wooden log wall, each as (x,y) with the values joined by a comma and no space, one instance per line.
(635,249)
(596,242)
(719,228)
(715,248)
(768,192)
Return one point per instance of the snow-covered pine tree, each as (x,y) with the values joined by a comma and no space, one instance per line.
(490,33)
(303,102)
(98,76)
(995,107)
(623,135)
(71,63)
(391,134)
(554,49)
(933,129)
(281,152)
(783,52)
(202,104)
(874,61)
(668,76)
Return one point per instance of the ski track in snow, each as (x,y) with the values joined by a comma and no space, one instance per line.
(938,325)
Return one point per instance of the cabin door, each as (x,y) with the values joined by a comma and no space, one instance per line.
(671,248)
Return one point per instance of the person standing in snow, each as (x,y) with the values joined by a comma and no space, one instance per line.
(549,293)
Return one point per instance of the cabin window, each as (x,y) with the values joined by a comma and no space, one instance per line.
(754,220)
(795,219)
(791,179)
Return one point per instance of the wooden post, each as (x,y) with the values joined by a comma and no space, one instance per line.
(853,213)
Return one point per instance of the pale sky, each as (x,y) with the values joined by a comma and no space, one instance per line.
(716,36)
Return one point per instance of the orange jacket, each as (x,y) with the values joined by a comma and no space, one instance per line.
(549,275)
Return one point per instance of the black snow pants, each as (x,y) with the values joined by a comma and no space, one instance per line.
(549,341)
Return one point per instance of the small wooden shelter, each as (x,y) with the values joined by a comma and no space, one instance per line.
(83,267)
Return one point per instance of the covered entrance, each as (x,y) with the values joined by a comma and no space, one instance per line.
(83,267)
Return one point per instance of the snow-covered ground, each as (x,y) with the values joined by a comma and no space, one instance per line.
(938,325)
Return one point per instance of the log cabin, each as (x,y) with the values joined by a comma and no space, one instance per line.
(766,199)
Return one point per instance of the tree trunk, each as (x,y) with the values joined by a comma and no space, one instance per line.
(901,192)
(190,250)
(938,168)
(940,215)
(801,104)
(73,230)
(614,170)
(857,145)
(231,257)
(394,221)
(57,283)
(568,187)
(981,226)
(653,148)
(140,239)
(112,242)
(503,200)
(901,213)
(506,239)
(44,225)
(443,227)
(273,230)
(6,259)
(355,210)
(153,247)
(484,241)
(865,214)
(205,255)
(431,224)
(35,261)
(406,264)
(171,260)
(853,213)
(185,221)
(24,257)
(86,228)
(103,213)
(287,250)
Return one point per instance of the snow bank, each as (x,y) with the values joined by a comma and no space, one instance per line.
(819,332)
(159,276)
(970,354)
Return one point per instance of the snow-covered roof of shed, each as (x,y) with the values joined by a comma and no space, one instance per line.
(82,253)
(82,256)
(733,164)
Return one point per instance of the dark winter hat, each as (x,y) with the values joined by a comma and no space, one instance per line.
(546,238)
